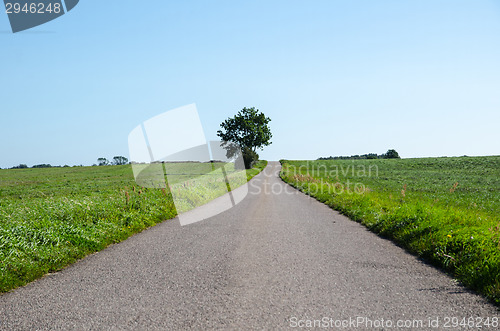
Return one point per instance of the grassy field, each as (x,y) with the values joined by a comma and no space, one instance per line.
(446,210)
(51,217)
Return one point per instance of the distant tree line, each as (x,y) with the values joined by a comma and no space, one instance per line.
(44,165)
(390,154)
(21,166)
(117,160)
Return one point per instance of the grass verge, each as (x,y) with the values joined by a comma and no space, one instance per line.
(257,168)
(445,210)
(51,217)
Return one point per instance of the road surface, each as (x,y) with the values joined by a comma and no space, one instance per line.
(277,260)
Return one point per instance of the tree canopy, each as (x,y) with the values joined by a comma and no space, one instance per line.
(120,160)
(249,129)
(391,154)
(102,161)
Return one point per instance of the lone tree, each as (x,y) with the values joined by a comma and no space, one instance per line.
(391,154)
(102,161)
(120,160)
(249,130)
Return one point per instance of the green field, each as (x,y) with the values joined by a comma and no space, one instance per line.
(192,184)
(51,217)
(446,210)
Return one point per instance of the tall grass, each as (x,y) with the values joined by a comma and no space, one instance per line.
(446,210)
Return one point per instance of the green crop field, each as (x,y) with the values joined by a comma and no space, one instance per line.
(51,217)
(446,210)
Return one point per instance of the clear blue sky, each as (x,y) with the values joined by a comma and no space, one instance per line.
(336,77)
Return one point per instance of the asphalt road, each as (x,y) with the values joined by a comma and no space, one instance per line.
(277,260)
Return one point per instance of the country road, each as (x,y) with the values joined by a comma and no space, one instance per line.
(277,260)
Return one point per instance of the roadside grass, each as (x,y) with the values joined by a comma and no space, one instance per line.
(257,168)
(193,187)
(51,217)
(445,210)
